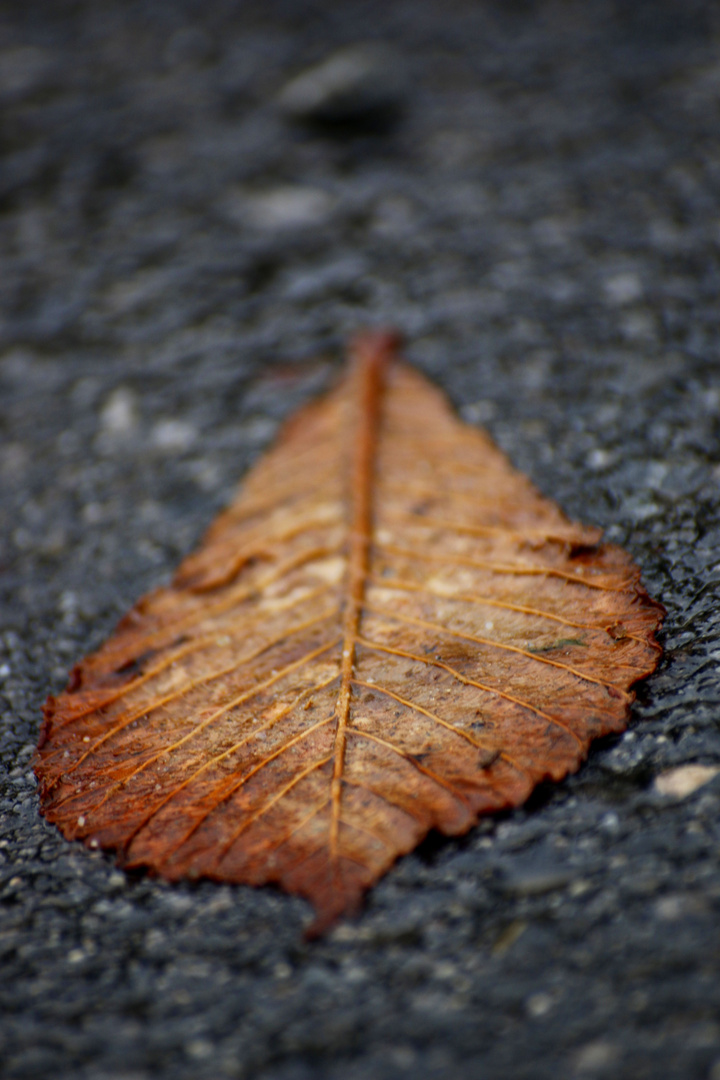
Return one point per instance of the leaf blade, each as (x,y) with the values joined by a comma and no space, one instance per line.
(368,644)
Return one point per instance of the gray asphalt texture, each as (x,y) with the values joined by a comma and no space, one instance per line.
(535,202)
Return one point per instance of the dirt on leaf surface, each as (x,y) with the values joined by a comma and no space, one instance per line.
(388,631)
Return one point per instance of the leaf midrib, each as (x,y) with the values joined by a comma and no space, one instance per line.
(370,358)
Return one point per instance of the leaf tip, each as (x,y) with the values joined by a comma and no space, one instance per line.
(373,348)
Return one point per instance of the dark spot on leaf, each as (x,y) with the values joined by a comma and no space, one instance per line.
(135,666)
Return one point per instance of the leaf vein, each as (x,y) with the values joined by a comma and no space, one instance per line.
(472,682)
(231,750)
(493,644)
(411,761)
(189,687)
(216,716)
(411,586)
(198,645)
(497,568)
(225,850)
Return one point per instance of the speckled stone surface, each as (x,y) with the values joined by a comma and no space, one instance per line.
(180,263)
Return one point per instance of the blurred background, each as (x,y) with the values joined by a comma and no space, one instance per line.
(199,203)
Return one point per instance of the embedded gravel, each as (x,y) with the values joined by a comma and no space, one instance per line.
(535,202)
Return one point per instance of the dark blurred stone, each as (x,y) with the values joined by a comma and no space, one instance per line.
(360,86)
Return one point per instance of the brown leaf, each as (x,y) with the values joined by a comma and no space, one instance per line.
(388,631)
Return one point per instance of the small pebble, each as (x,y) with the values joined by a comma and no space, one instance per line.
(623,288)
(119,416)
(173,435)
(596,1057)
(536,881)
(538,1005)
(683,781)
(284,207)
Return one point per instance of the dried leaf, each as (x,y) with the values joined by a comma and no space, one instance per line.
(389,631)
